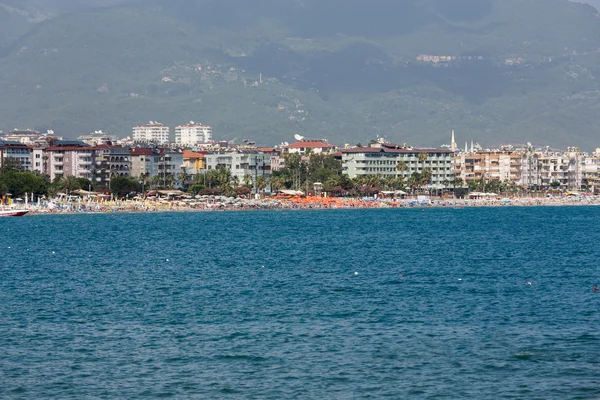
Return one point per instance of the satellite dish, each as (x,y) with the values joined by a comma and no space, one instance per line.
(298,137)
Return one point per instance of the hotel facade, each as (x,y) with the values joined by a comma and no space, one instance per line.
(390,160)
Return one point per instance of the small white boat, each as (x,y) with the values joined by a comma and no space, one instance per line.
(13,213)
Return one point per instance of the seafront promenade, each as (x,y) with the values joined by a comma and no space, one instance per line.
(222,203)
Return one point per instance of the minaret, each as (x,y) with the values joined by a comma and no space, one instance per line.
(453,143)
(466,147)
(472,148)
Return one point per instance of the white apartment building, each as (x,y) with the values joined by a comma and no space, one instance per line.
(193,133)
(152,132)
(16,151)
(390,160)
(249,163)
(565,168)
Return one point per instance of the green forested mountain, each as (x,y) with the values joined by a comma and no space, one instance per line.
(497,71)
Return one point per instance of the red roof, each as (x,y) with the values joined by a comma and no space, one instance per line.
(313,144)
(194,154)
(68,148)
(268,149)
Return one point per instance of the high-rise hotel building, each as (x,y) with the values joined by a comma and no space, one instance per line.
(152,132)
(193,133)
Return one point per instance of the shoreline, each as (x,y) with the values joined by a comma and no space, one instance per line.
(314,204)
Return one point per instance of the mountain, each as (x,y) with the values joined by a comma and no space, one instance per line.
(497,71)
(593,3)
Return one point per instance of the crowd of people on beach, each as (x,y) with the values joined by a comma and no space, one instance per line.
(223,203)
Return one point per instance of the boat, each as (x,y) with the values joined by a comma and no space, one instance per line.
(13,213)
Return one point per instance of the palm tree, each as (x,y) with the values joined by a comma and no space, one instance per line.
(261,184)
(422,158)
(402,167)
(425,178)
(183,178)
(155,181)
(413,181)
(277,183)
(68,183)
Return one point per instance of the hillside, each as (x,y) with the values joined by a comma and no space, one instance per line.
(495,70)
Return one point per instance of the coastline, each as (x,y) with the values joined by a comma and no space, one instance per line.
(308,204)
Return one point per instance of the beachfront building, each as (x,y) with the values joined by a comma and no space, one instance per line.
(65,159)
(144,162)
(529,170)
(110,161)
(591,172)
(487,166)
(152,132)
(193,162)
(391,160)
(161,162)
(248,163)
(16,151)
(562,170)
(305,146)
(193,133)
(170,163)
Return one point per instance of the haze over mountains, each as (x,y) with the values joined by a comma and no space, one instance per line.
(497,71)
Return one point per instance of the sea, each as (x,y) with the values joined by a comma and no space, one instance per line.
(473,303)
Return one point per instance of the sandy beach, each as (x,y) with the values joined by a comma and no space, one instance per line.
(222,203)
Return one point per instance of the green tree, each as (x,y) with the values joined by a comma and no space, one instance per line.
(261,184)
(422,158)
(124,185)
(10,164)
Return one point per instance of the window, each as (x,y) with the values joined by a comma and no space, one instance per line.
(38,156)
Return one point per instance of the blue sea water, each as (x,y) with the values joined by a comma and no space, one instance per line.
(302,304)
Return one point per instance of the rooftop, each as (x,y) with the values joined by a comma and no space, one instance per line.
(308,144)
(13,144)
(194,154)
(393,148)
(137,151)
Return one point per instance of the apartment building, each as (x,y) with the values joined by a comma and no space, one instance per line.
(488,166)
(110,161)
(193,162)
(70,159)
(193,133)
(391,160)
(562,170)
(17,151)
(245,163)
(152,132)
(151,162)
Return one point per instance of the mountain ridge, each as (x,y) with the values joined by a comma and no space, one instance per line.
(523,81)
